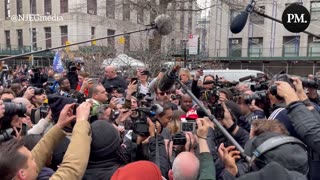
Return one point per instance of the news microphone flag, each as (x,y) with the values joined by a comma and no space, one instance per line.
(57,63)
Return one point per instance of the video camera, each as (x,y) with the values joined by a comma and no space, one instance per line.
(260,96)
(140,123)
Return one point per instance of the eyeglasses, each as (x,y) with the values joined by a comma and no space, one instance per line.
(164,93)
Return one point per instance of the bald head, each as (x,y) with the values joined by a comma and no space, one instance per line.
(185,167)
(110,72)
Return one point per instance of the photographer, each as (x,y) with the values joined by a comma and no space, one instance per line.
(39,97)
(17,162)
(208,83)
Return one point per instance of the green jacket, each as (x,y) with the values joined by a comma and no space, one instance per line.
(207,168)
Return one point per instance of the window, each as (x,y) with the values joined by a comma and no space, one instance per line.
(111,41)
(182,17)
(19,7)
(33,6)
(235,47)
(64,34)
(7,9)
(20,38)
(288,4)
(47,31)
(8,41)
(190,18)
(140,12)
(315,10)
(34,39)
(173,44)
(64,6)
(47,7)
(255,47)
(110,9)
(126,11)
(92,7)
(127,42)
(257,19)
(291,46)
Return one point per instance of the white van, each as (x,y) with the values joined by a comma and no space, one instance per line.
(229,74)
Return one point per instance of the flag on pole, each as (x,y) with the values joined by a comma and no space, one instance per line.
(57,63)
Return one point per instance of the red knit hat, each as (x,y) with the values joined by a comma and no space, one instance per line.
(140,170)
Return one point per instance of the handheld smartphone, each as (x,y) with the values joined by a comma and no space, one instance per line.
(95,80)
(121,100)
(134,79)
(24,129)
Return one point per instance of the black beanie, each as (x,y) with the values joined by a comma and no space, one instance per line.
(57,103)
(105,140)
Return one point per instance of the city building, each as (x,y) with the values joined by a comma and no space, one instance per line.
(81,20)
(264,44)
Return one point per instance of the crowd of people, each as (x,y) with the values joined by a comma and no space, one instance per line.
(72,125)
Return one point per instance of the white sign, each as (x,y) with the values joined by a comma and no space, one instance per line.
(193,44)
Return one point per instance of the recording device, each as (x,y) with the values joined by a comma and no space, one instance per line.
(145,72)
(95,80)
(121,100)
(280,77)
(258,95)
(175,97)
(260,87)
(311,83)
(168,79)
(41,112)
(140,123)
(179,139)
(6,134)
(240,21)
(246,78)
(188,126)
(163,24)
(134,80)
(14,109)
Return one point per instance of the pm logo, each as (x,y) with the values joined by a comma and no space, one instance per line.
(296,18)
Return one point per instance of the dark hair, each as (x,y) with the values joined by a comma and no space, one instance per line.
(31,140)
(60,82)
(165,106)
(209,75)
(11,160)
(7,91)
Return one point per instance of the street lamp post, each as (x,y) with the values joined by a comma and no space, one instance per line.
(31,34)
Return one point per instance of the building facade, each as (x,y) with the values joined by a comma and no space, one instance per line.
(264,44)
(81,20)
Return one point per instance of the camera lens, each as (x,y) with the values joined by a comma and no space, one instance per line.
(14,109)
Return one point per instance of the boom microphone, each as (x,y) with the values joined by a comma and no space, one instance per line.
(246,78)
(163,24)
(168,79)
(239,22)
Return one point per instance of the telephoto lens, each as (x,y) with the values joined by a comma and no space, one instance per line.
(14,109)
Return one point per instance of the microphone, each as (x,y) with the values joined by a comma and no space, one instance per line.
(168,79)
(163,24)
(246,78)
(239,22)
(209,82)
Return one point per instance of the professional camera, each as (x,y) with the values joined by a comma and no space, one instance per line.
(147,100)
(6,134)
(179,139)
(41,112)
(281,77)
(311,83)
(210,95)
(260,96)
(175,97)
(260,86)
(140,123)
(14,109)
